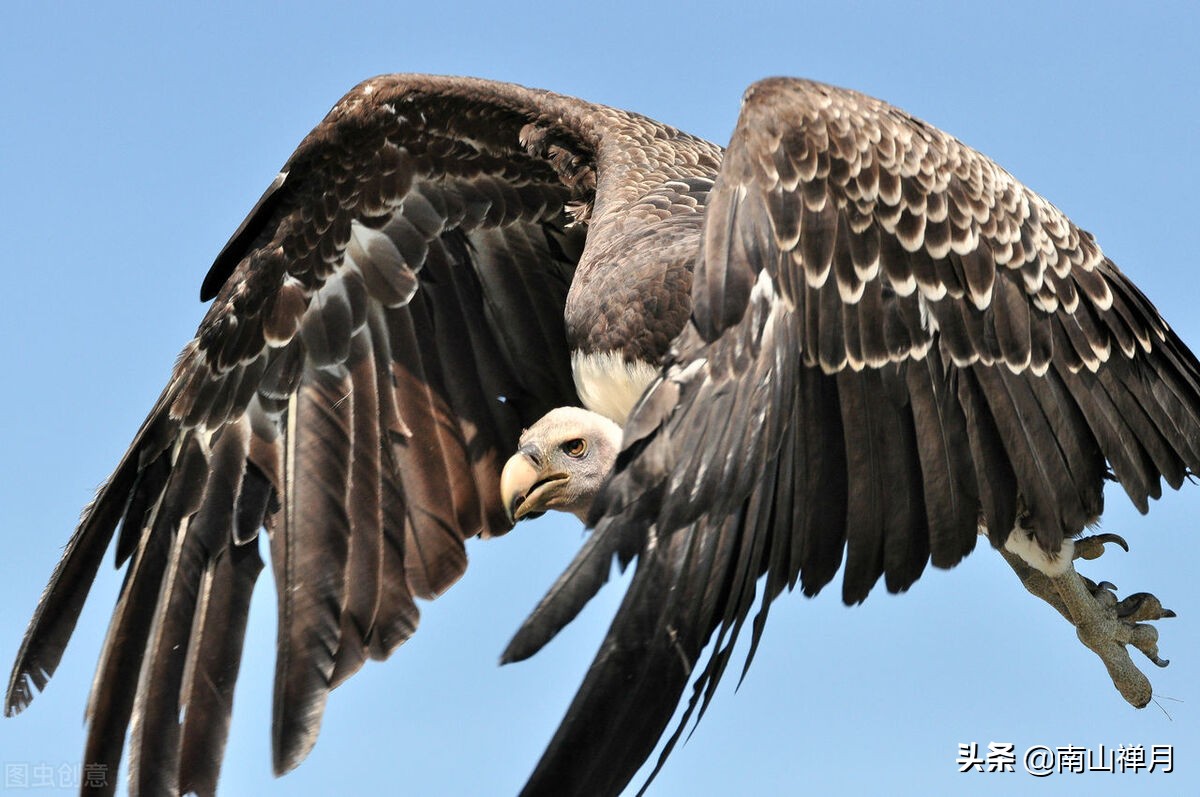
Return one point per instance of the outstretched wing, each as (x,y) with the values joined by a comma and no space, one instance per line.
(893,344)
(387,319)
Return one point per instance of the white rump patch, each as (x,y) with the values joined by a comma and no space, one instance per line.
(609,385)
(1025,546)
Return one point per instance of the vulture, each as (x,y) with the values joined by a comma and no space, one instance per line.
(846,342)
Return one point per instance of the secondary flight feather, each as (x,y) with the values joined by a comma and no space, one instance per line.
(849,336)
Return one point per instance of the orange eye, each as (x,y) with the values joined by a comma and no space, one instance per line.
(575,448)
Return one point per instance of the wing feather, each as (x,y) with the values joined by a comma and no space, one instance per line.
(973,363)
(951,497)
(309,550)
(162,691)
(113,694)
(215,657)
(385,322)
(365,508)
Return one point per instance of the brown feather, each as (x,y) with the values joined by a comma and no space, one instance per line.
(364,507)
(309,548)
(216,654)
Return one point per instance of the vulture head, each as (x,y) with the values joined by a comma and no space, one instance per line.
(561,463)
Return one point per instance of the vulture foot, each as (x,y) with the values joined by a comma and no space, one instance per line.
(1102,622)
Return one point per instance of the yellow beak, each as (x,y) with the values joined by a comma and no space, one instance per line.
(516,480)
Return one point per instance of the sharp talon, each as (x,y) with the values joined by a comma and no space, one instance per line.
(1145,638)
(1092,547)
(1107,585)
(1142,606)
(1107,598)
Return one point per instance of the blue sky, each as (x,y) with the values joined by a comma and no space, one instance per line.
(134,140)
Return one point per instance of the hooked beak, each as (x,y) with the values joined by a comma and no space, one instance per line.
(524,488)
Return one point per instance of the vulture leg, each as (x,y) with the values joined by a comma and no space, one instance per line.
(1103,623)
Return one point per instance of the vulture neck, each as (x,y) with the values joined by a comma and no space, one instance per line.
(609,384)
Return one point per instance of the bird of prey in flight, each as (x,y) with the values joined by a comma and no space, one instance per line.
(846,342)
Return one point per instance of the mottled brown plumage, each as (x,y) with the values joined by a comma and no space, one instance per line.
(886,342)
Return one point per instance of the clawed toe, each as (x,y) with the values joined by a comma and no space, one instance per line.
(1145,638)
(1142,607)
(1093,547)
(1105,592)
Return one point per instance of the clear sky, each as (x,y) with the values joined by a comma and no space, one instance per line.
(134,140)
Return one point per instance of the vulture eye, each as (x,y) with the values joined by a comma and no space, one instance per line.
(575,448)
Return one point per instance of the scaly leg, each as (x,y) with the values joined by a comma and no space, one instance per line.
(1103,623)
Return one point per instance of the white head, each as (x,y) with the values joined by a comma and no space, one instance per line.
(562,461)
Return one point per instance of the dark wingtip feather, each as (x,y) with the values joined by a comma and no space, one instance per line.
(579,583)
(59,607)
(217,657)
(627,697)
(308,553)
